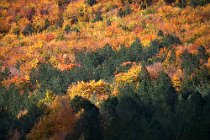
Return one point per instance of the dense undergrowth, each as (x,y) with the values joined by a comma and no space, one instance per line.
(93,70)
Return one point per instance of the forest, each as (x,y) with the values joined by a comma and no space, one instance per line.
(104,70)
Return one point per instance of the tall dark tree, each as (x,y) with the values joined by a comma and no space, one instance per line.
(202,54)
(89,125)
(136,50)
(189,62)
(91,2)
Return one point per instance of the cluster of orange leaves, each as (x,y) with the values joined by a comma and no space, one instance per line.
(59,121)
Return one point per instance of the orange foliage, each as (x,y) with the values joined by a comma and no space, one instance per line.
(154,69)
(14,80)
(63,67)
(59,121)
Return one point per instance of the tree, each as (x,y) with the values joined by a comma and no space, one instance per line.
(28,30)
(59,120)
(202,54)
(49,78)
(170,40)
(166,91)
(195,3)
(67,29)
(122,54)
(62,2)
(145,81)
(189,62)
(151,50)
(121,13)
(127,10)
(98,16)
(7,121)
(136,50)
(91,2)
(89,125)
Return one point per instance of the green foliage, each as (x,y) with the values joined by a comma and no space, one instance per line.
(89,124)
(128,109)
(108,22)
(121,13)
(104,62)
(193,3)
(188,110)
(127,11)
(12,103)
(75,29)
(108,110)
(160,33)
(59,22)
(165,87)
(190,62)
(136,50)
(28,30)
(91,2)
(26,122)
(49,78)
(3,74)
(67,29)
(145,82)
(62,2)
(7,122)
(202,54)
(98,16)
(170,40)
(151,51)
(47,23)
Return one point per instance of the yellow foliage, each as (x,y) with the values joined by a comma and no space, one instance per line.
(176,83)
(132,76)
(9,38)
(39,23)
(74,10)
(95,91)
(48,99)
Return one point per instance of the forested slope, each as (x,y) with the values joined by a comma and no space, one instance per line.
(100,69)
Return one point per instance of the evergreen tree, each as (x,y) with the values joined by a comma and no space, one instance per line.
(202,55)
(89,124)
(189,62)
(136,50)
(91,2)
(145,82)
(164,90)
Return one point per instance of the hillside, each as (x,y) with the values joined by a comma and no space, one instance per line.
(101,69)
